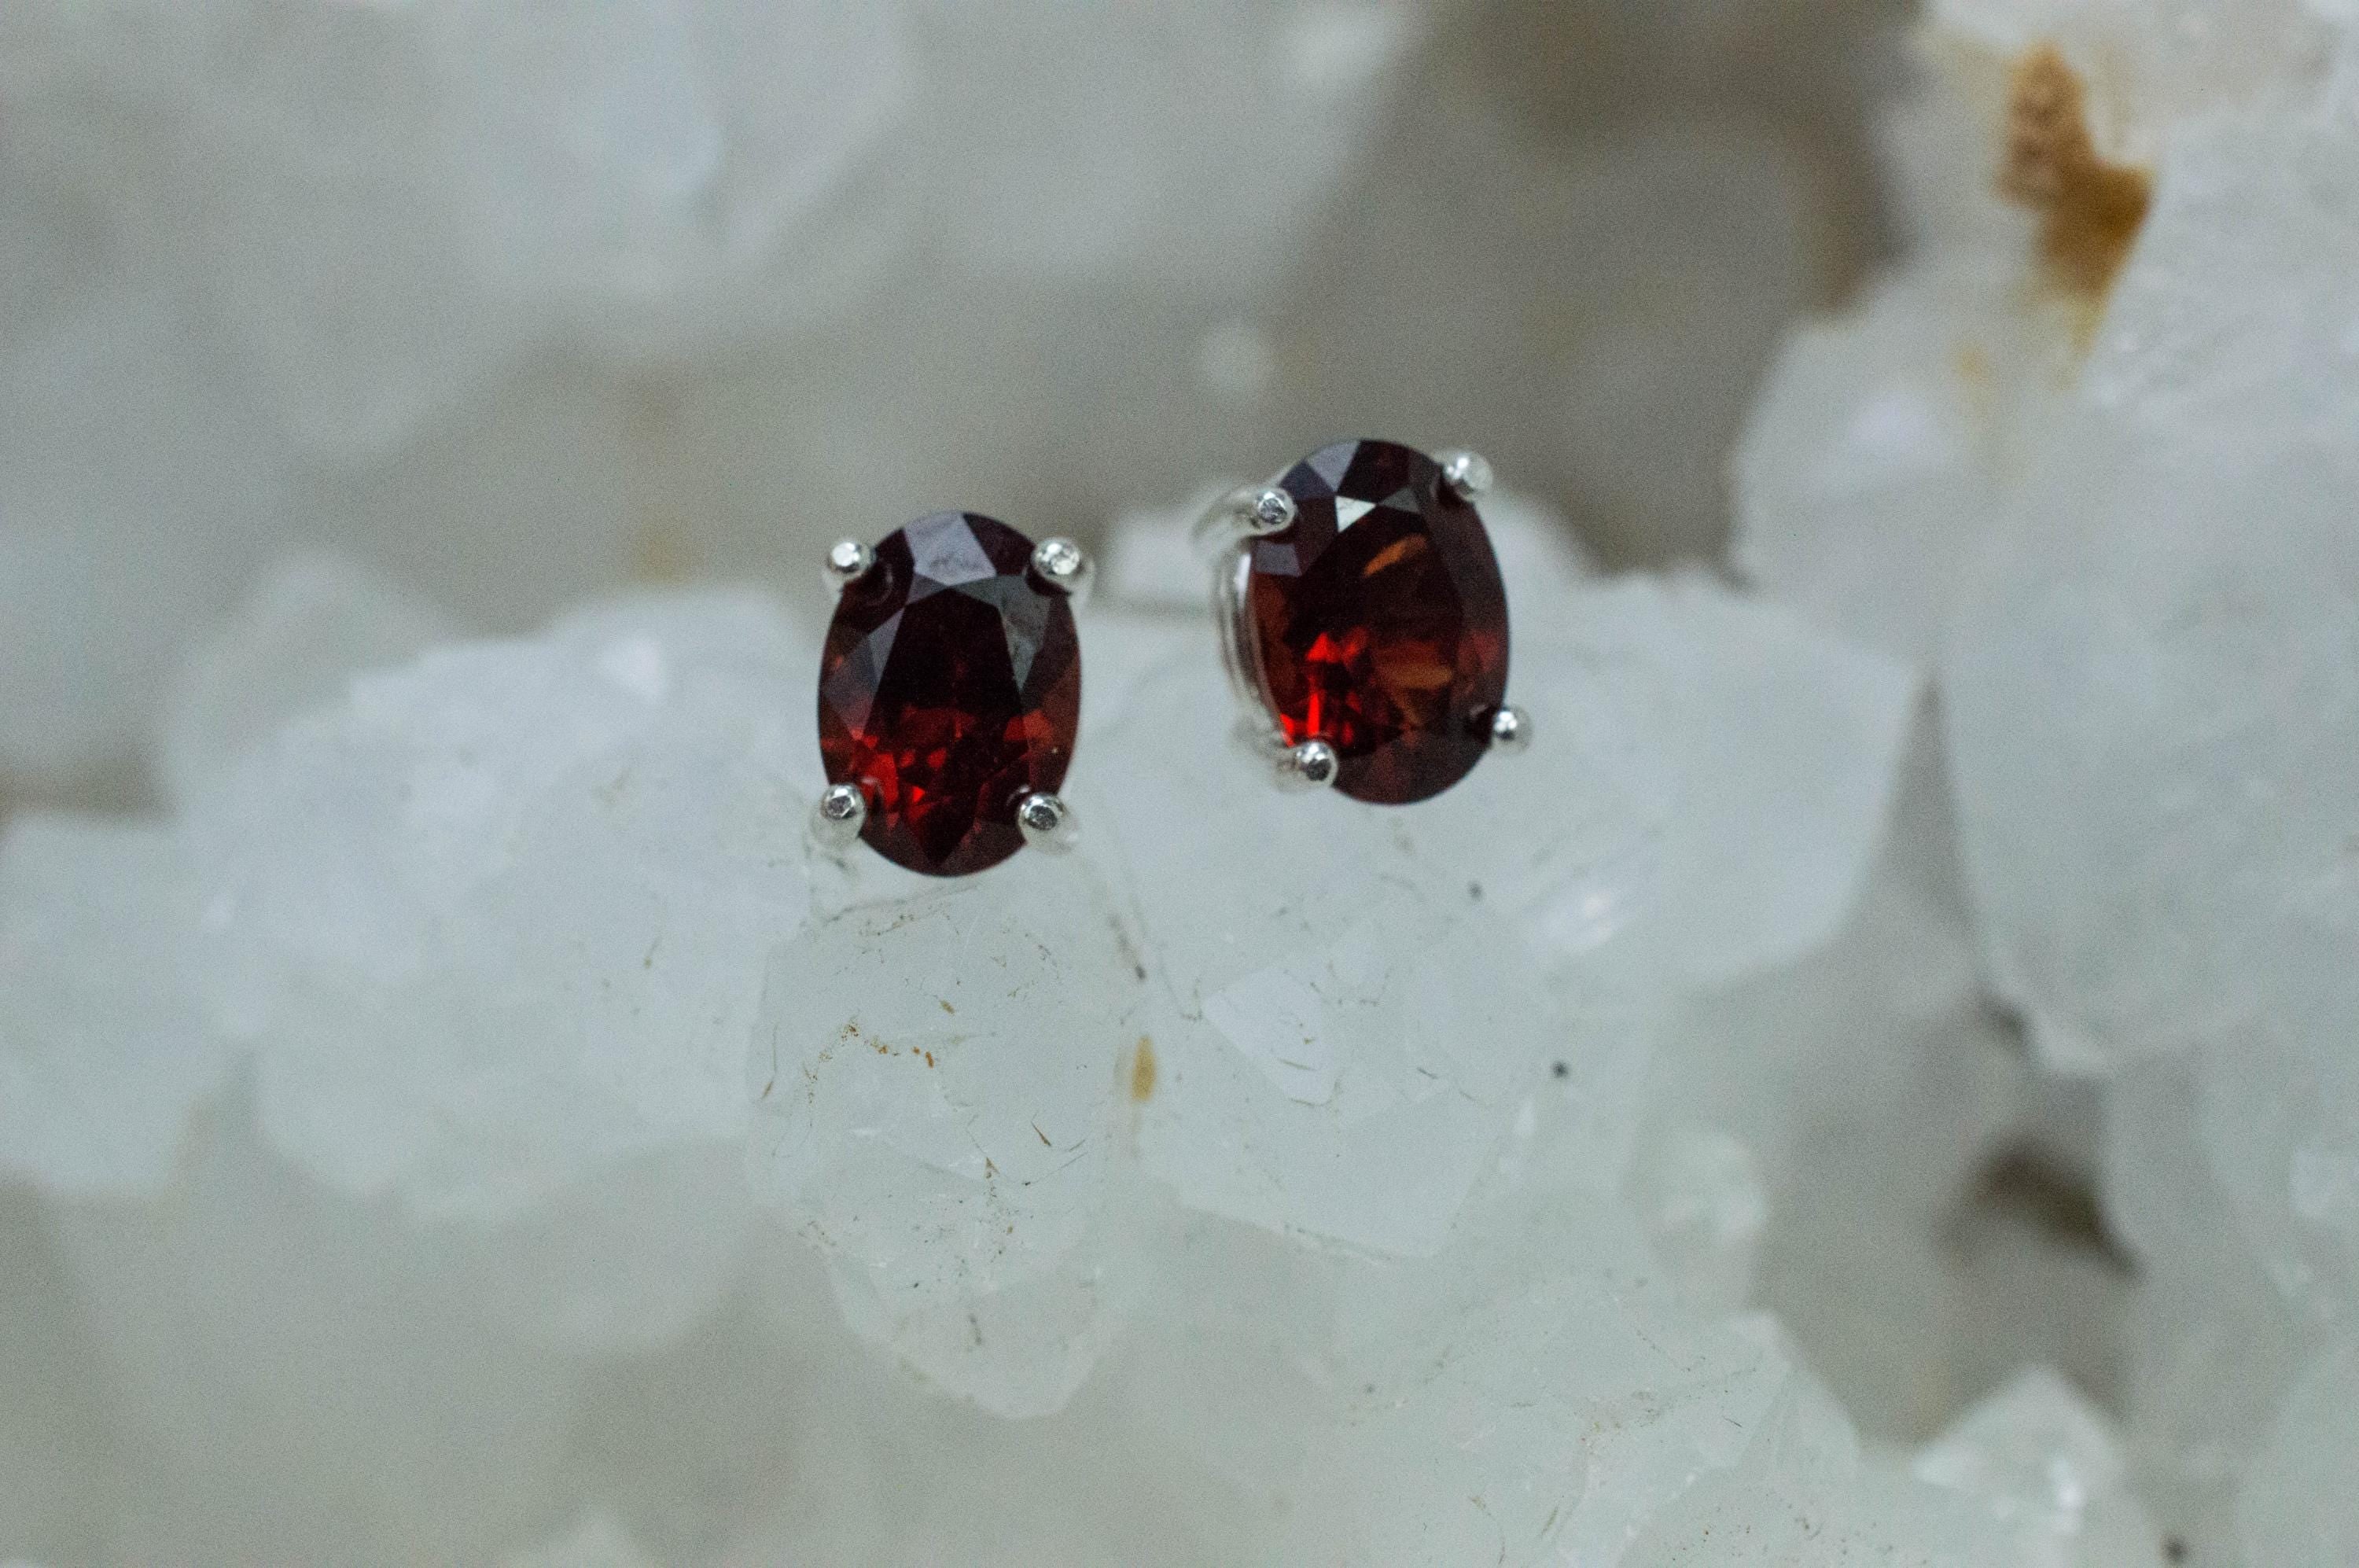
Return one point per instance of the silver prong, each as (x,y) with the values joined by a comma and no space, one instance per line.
(1310,766)
(1268,510)
(1255,511)
(1048,823)
(1511,731)
(1066,567)
(1468,474)
(848,560)
(836,820)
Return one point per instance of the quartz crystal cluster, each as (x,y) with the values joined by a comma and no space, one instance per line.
(519,300)
(2087,454)
(1872,1085)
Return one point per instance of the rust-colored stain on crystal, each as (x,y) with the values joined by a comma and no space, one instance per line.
(2090,210)
(1142,1072)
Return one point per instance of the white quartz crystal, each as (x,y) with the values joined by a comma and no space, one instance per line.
(447,185)
(1537,1397)
(2151,63)
(2214,1344)
(942,1081)
(1300,1057)
(1709,715)
(2232,321)
(1801,1493)
(1701,1195)
(498,915)
(517,305)
(850,1465)
(2124,532)
(2200,690)
(2280,1121)
(1875,1052)
(1872,1083)
(1887,440)
(2050,1470)
(1259,1042)
(2146,691)
(1863,477)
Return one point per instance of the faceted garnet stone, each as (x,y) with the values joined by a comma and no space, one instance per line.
(1377,622)
(950,686)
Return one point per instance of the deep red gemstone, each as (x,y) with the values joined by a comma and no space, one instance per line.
(951,685)
(1377,622)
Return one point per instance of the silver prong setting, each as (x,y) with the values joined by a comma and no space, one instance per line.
(848,560)
(1065,567)
(1253,511)
(1468,474)
(1047,823)
(1267,510)
(1511,731)
(1313,764)
(836,818)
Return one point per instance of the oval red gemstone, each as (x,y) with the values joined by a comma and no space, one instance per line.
(1377,622)
(950,686)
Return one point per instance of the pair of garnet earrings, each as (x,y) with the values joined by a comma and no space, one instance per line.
(1361,614)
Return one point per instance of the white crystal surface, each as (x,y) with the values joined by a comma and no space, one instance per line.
(1802,1491)
(2051,1470)
(498,916)
(2128,549)
(1873,1053)
(2232,322)
(1864,478)
(1701,1195)
(449,186)
(1768,751)
(2215,1343)
(1295,1075)
(938,1080)
(1537,1397)
(2153,62)
(2200,690)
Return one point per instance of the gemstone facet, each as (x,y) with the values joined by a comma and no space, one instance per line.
(950,686)
(1377,622)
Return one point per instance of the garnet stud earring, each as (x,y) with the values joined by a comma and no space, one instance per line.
(1362,620)
(950,693)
